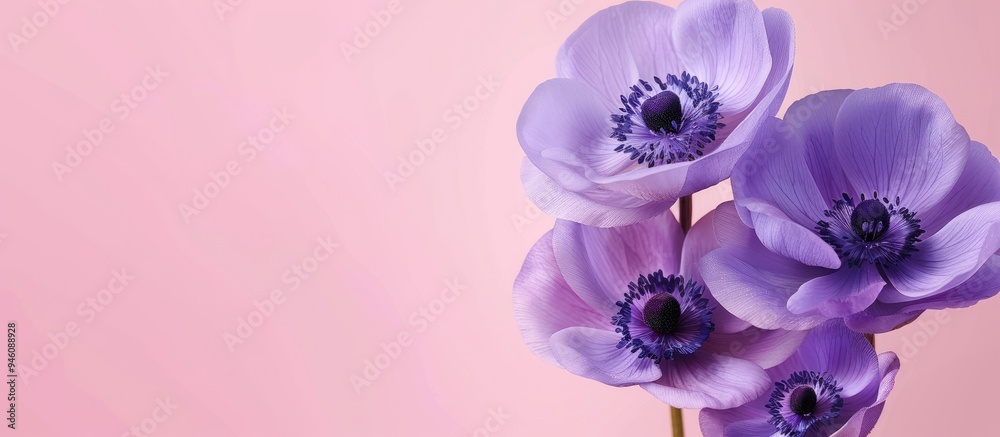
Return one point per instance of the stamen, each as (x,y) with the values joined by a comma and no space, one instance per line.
(803,402)
(870,220)
(663,316)
(876,231)
(662,313)
(669,121)
(662,112)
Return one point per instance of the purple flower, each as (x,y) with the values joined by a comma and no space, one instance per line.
(651,104)
(869,205)
(625,306)
(834,386)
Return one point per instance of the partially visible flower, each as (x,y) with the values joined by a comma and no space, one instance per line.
(873,209)
(834,386)
(651,104)
(626,306)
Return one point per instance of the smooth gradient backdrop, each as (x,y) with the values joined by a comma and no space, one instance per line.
(303,218)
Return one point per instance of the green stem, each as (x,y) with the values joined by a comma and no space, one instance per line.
(677,421)
(686,213)
(687,210)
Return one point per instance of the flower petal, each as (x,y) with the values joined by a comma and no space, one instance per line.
(894,310)
(950,256)
(749,420)
(862,423)
(784,236)
(707,380)
(719,163)
(765,348)
(592,353)
(619,45)
(752,282)
(699,241)
(978,185)
(775,171)
(599,263)
(839,294)
(843,353)
(544,303)
(563,129)
(594,207)
(724,43)
(901,140)
(871,323)
(984,284)
(813,119)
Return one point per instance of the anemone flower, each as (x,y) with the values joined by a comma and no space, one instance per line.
(833,386)
(869,205)
(625,306)
(651,104)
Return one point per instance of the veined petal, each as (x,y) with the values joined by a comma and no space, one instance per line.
(841,352)
(545,304)
(901,140)
(862,423)
(812,119)
(599,263)
(699,241)
(775,171)
(563,129)
(765,348)
(839,294)
(752,282)
(950,256)
(786,237)
(592,353)
(706,380)
(619,45)
(725,42)
(594,207)
(978,185)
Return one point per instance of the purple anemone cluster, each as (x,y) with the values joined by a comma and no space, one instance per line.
(847,223)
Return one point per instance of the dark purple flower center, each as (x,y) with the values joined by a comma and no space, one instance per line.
(662,313)
(802,401)
(806,401)
(875,231)
(663,316)
(662,112)
(870,220)
(667,121)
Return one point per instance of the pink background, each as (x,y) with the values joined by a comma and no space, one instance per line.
(459,216)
